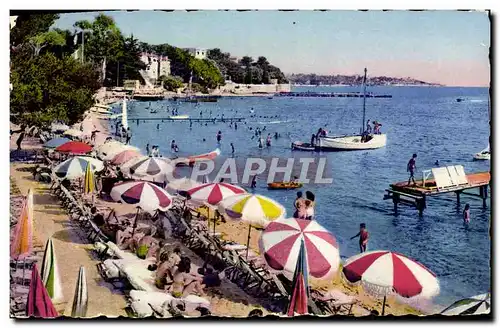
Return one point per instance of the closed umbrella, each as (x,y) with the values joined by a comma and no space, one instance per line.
(50,273)
(81,298)
(74,147)
(479,304)
(280,244)
(75,167)
(124,156)
(384,273)
(39,304)
(22,245)
(300,285)
(56,142)
(89,181)
(254,209)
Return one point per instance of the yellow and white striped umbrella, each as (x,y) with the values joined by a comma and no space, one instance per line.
(256,210)
(89,185)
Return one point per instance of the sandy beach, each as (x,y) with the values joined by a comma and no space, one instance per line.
(72,251)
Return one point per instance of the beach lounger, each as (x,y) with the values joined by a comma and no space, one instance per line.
(442,177)
(334,301)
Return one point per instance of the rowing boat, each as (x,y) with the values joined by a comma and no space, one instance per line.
(284,185)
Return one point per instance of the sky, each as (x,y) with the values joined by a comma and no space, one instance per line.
(447,47)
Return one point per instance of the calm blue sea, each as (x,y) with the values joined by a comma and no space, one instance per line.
(423,120)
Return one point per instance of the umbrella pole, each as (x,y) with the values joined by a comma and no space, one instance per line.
(248,239)
(135,221)
(215,221)
(383,306)
(208,219)
(24,268)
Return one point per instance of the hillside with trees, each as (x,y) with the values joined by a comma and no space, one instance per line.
(246,70)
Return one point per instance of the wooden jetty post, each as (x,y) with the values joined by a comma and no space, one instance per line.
(416,195)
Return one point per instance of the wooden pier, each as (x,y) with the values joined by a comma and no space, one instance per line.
(198,119)
(415,196)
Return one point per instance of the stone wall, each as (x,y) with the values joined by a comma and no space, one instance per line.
(254,88)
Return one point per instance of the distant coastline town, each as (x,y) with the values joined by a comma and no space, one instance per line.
(353,80)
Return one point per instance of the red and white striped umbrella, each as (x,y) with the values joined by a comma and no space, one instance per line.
(213,193)
(146,195)
(280,244)
(383,273)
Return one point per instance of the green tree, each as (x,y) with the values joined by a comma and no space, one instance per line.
(263,64)
(104,41)
(171,83)
(247,62)
(42,40)
(127,64)
(46,88)
(28,26)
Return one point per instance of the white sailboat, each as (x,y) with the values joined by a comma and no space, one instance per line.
(124,113)
(353,142)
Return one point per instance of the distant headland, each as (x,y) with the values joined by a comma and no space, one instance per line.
(350,80)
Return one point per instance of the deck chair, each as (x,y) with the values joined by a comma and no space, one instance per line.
(442,178)
(333,302)
(461,176)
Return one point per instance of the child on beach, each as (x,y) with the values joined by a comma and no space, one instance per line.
(363,237)
(466,214)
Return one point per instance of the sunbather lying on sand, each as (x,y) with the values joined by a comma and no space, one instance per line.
(185,283)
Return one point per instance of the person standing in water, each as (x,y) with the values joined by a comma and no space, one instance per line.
(129,136)
(147,150)
(411,167)
(219,136)
(254,182)
(363,237)
(466,214)
(268,140)
(232,148)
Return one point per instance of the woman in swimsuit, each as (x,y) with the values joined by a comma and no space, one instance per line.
(183,282)
(169,261)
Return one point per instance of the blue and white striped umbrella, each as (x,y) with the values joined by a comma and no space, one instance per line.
(75,167)
(56,142)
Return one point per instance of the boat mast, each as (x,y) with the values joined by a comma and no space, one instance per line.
(364,103)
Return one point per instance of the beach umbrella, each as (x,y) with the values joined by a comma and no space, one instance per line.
(75,167)
(254,209)
(384,273)
(81,298)
(74,147)
(181,184)
(211,194)
(39,304)
(151,168)
(89,181)
(56,142)
(300,288)
(146,195)
(58,127)
(50,273)
(22,245)
(479,304)
(124,156)
(110,149)
(280,244)
(73,133)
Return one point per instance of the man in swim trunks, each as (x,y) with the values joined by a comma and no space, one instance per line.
(411,167)
(363,237)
